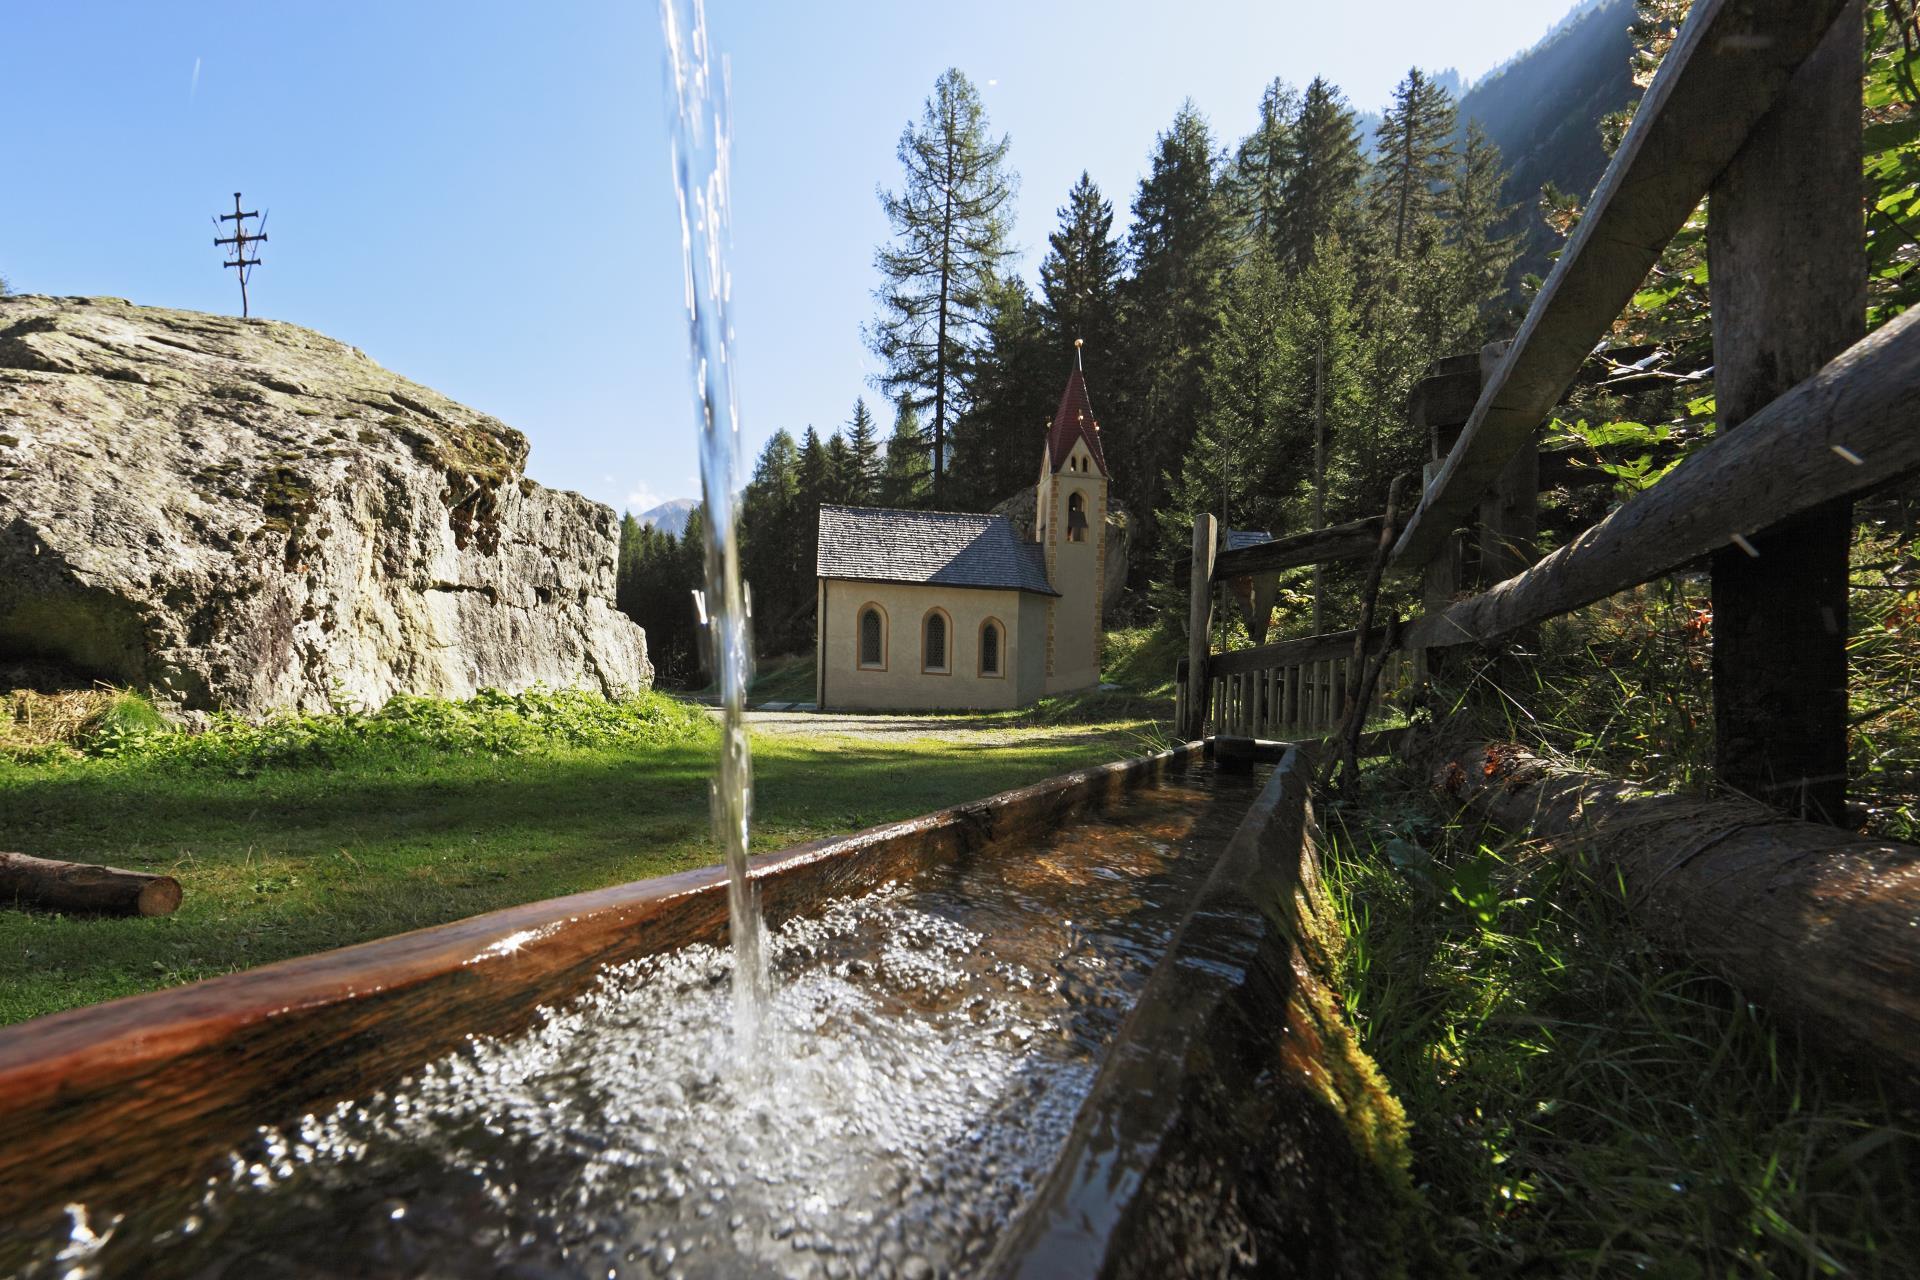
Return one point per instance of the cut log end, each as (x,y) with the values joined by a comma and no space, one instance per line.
(84,888)
(159,897)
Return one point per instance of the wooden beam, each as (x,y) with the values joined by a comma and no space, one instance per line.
(1816,924)
(1206,541)
(1852,426)
(1335,644)
(1354,540)
(1731,63)
(1786,247)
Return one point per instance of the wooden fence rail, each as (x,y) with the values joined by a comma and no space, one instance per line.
(1848,429)
(1732,61)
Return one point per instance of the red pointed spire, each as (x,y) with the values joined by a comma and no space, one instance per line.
(1074,421)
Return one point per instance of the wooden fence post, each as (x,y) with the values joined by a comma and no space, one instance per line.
(1785,244)
(1510,516)
(1440,405)
(1199,623)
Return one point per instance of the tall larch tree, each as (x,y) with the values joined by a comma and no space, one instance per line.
(1323,175)
(1080,280)
(1180,247)
(951,222)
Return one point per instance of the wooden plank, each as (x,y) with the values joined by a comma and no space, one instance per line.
(1286,652)
(1789,267)
(1849,428)
(1731,62)
(1354,540)
(1206,541)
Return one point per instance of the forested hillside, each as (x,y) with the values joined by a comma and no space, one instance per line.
(1251,329)
(1543,110)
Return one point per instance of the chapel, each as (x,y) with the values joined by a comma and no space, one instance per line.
(947,610)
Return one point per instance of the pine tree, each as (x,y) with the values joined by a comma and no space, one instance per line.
(1256,184)
(1180,249)
(843,477)
(1415,159)
(1477,222)
(1080,279)
(1012,394)
(951,225)
(904,480)
(1323,175)
(863,443)
(777,537)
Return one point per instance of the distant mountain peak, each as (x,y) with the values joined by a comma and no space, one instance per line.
(670,516)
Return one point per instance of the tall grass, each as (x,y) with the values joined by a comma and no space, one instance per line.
(1584,1106)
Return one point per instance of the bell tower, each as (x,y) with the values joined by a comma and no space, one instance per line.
(1070,521)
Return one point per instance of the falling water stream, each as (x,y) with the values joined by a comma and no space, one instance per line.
(702,151)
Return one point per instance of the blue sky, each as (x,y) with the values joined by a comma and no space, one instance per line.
(478,194)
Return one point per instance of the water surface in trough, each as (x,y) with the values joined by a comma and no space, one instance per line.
(923,1058)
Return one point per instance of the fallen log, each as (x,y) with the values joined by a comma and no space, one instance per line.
(1815,923)
(85,888)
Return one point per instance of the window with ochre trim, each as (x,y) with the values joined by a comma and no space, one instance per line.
(991,643)
(934,646)
(873,638)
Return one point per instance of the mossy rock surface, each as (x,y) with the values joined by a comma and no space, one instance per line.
(250,516)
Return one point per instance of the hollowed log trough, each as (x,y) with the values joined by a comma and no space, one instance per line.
(104,1105)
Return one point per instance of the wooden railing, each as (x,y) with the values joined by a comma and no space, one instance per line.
(1290,691)
(1759,102)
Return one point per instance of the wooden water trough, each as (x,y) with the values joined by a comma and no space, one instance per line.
(1236,1053)
(105,1105)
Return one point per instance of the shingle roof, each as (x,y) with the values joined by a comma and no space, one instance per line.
(1074,421)
(946,548)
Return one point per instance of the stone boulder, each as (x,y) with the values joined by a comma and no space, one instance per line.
(245,515)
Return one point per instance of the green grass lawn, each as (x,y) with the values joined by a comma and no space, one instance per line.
(327,836)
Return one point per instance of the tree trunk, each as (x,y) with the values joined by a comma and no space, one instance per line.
(1816,923)
(85,888)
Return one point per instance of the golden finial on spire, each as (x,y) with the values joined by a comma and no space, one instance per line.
(1077,344)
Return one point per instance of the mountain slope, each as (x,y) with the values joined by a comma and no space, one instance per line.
(1543,108)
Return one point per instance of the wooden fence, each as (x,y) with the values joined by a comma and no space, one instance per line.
(1758,104)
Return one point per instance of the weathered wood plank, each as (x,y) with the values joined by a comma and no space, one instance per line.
(1206,542)
(1815,923)
(1789,267)
(1243,986)
(1288,652)
(1850,427)
(1732,61)
(1354,540)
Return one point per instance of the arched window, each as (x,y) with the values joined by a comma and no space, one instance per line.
(1077,518)
(933,652)
(992,638)
(873,638)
